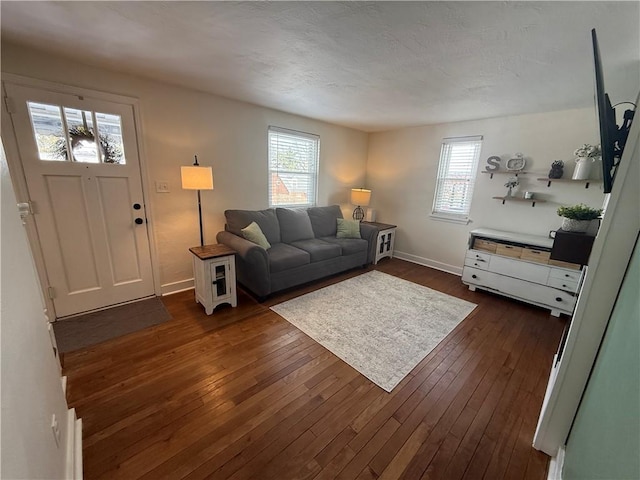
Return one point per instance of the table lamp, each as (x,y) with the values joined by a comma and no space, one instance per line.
(361,198)
(197,178)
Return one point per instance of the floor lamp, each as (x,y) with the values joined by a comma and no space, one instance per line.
(197,178)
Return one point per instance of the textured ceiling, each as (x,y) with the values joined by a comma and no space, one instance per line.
(367,65)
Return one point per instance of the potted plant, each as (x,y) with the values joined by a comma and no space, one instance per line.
(577,218)
(586,155)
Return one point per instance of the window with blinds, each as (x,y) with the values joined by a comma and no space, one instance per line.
(293,168)
(456,174)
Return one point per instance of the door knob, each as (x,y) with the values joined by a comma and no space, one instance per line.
(136,206)
(139,221)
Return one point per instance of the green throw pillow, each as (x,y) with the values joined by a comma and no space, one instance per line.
(348,228)
(254,234)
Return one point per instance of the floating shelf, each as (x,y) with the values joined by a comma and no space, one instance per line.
(567,180)
(533,201)
(513,173)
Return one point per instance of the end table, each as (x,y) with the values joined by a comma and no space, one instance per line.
(214,271)
(385,241)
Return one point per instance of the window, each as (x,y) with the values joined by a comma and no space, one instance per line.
(59,128)
(456,173)
(293,168)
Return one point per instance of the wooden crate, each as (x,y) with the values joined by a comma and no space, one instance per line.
(562,264)
(533,255)
(509,250)
(486,245)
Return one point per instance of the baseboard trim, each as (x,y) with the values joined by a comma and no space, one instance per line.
(427,262)
(74,445)
(555,465)
(177,287)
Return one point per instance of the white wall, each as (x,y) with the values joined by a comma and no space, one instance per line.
(229,135)
(402,168)
(31,387)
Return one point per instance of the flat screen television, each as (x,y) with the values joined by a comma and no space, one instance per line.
(612,137)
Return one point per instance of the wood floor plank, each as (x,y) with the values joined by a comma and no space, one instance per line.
(244,394)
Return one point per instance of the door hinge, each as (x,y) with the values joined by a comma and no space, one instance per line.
(10,105)
(51,292)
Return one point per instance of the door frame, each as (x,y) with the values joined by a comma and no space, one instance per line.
(19,181)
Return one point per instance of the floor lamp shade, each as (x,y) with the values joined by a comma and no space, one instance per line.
(197,178)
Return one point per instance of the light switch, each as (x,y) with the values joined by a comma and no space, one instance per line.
(162,187)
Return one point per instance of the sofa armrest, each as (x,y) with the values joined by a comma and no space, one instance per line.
(252,263)
(370,234)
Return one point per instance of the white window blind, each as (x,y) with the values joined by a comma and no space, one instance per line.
(293,168)
(456,174)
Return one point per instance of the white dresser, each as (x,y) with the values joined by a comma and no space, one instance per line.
(518,266)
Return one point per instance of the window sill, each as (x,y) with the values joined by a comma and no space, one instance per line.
(449,219)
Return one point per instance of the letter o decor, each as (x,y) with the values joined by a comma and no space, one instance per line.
(493,164)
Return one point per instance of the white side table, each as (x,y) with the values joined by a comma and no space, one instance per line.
(385,241)
(214,271)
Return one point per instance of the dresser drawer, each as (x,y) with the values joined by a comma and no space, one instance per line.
(563,284)
(560,263)
(475,258)
(533,255)
(564,274)
(509,250)
(486,245)
(518,269)
(516,288)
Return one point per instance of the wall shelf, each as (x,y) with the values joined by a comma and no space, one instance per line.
(567,180)
(533,201)
(513,173)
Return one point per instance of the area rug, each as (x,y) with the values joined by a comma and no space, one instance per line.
(381,325)
(97,327)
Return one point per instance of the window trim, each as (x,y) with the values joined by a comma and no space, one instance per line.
(305,135)
(462,218)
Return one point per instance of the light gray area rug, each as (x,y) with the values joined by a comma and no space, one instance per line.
(381,325)
(97,327)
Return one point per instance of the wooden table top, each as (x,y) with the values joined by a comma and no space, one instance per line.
(212,251)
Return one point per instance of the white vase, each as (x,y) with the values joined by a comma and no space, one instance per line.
(583,168)
(572,225)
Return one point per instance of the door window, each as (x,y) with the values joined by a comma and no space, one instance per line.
(59,130)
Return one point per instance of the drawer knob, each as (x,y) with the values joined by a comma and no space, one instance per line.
(474,276)
(567,275)
(558,299)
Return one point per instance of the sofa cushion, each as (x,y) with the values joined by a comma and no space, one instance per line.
(283,257)
(254,234)
(349,246)
(348,228)
(319,249)
(266,219)
(323,220)
(294,224)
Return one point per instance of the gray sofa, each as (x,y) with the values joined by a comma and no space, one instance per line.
(304,247)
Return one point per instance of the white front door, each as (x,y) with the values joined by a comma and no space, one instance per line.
(80,159)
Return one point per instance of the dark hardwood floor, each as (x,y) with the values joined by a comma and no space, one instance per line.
(244,394)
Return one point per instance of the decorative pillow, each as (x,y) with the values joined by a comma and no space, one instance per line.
(254,234)
(348,228)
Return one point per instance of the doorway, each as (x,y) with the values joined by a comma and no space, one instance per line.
(82,170)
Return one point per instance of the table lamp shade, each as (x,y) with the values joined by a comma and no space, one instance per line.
(360,197)
(197,178)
